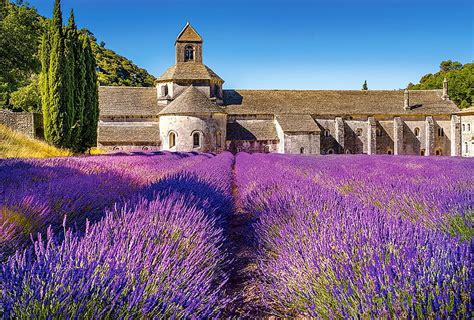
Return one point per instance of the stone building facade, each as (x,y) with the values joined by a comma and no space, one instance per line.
(189,110)
(466,118)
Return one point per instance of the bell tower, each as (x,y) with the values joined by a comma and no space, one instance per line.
(188,45)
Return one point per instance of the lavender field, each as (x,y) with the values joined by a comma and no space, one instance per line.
(184,235)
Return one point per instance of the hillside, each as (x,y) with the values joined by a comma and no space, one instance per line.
(17,145)
(460,78)
(21,28)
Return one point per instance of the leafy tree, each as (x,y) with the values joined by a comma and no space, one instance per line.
(20,30)
(27,98)
(364,86)
(460,79)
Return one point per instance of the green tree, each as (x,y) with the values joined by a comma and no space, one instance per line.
(27,98)
(20,31)
(91,98)
(460,80)
(70,43)
(57,115)
(364,86)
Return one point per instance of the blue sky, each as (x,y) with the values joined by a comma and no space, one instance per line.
(288,44)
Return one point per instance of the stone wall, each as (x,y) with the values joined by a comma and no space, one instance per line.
(28,123)
(268,146)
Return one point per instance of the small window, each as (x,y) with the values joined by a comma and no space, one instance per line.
(466,147)
(389,152)
(469,127)
(359,132)
(301,150)
(463,127)
(440,132)
(266,149)
(196,140)
(188,53)
(327,133)
(439,152)
(379,132)
(422,152)
(330,151)
(218,139)
(417,132)
(172,140)
(348,151)
(216,91)
(164,90)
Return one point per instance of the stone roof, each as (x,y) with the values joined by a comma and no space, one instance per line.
(191,101)
(251,130)
(128,101)
(465,111)
(129,133)
(335,102)
(297,123)
(188,34)
(189,70)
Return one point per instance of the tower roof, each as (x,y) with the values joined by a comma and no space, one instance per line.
(188,34)
(191,101)
(189,71)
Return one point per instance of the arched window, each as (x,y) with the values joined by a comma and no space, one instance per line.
(469,127)
(422,152)
(463,127)
(440,132)
(196,140)
(327,133)
(389,152)
(359,132)
(266,149)
(439,152)
(172,140)
(417,132)
(218,139)
(330,151)
(466,147)
(348,151)
(301,150)
(379,132)
(188,53)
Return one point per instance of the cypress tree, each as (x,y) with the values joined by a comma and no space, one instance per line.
(70,43)
(91,98)
(79,92)
(58,94)
(45,50)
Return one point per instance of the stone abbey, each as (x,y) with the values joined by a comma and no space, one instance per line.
(189,110)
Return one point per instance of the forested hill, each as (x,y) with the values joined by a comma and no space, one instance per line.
(21,28)
(460,79)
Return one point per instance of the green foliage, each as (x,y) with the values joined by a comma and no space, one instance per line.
(364,86)
(21,44)
(28,97)
(20,30)
(460,78)
(115,70)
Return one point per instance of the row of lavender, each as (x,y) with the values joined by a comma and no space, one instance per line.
(159,251)
(357,236)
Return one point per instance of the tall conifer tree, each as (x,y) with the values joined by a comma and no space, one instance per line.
(70,42)
(58,95)
(45,51)
(91,98)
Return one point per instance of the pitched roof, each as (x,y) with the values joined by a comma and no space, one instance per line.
(189,70)
(191,101)
(253,130)
(297,123)
(188,34)
(129,133)
(335,102)
(128,101)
